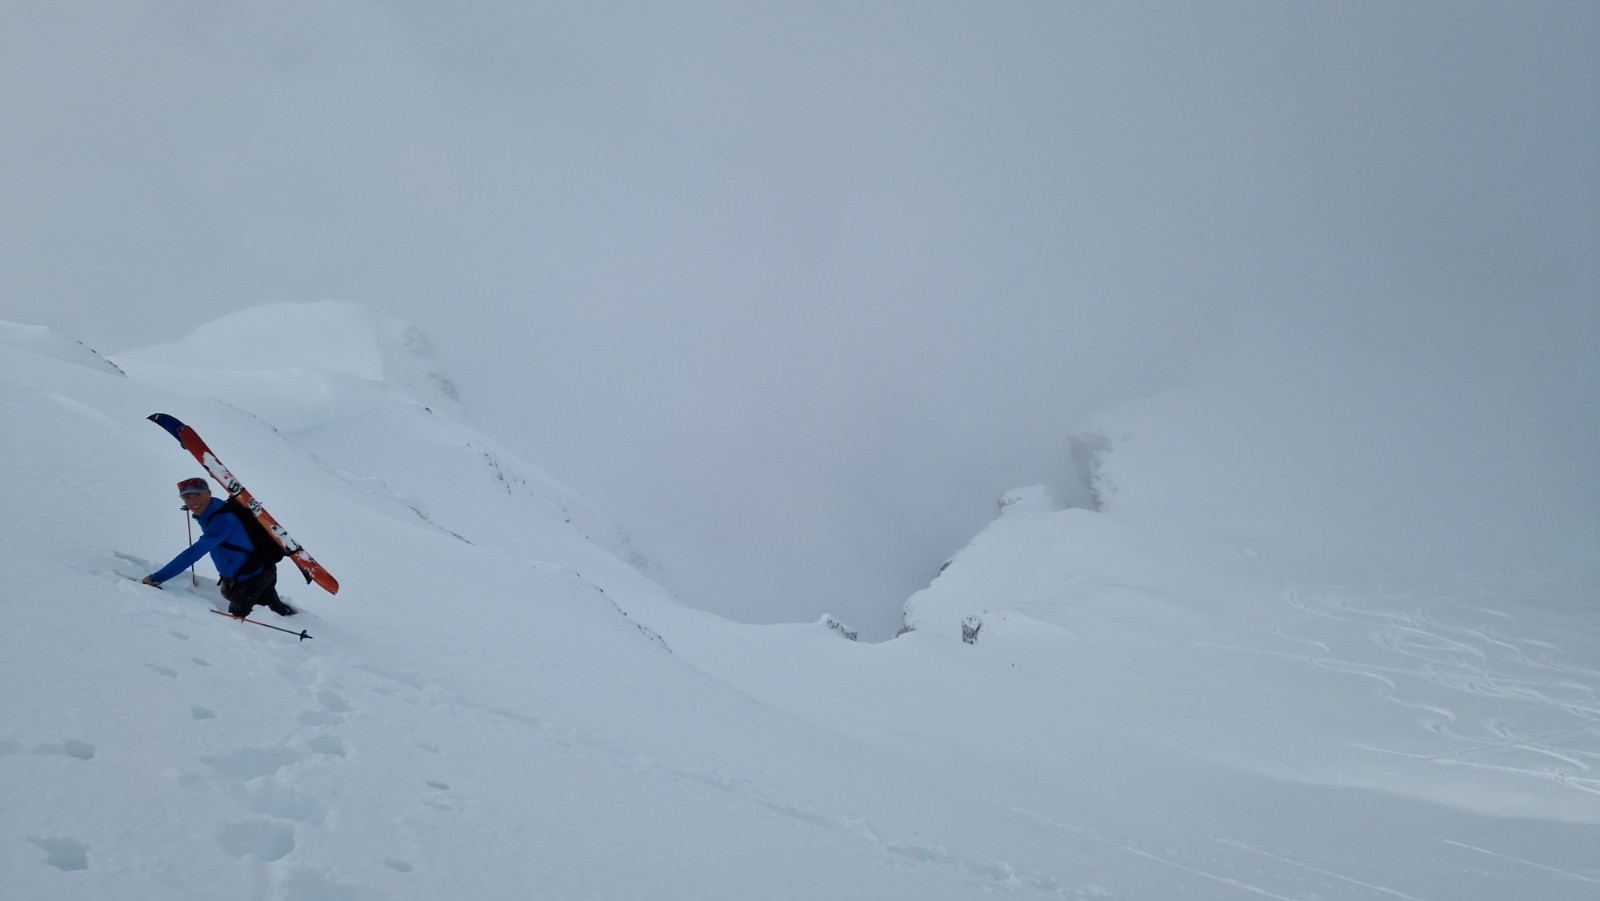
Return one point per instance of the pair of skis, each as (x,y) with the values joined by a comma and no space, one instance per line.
(308,566)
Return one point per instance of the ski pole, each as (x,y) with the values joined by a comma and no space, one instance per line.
(194,581)
(245,619)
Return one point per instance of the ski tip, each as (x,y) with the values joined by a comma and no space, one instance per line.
(168,422)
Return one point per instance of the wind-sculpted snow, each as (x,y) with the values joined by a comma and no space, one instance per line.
(498,705)
(41,341)
(325,337)
(1484,687)
(362,392)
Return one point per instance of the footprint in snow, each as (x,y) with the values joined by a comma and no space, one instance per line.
(268,798)
(161,670)
(399,866)
(333,702)
(318,885)
(295,675)
(327,744)
(202,713)
(246,764)
(439,800)
(262,839)
(69,748)
(334,707)
(65,854)
(319,718)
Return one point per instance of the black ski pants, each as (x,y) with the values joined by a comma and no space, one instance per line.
(259,590)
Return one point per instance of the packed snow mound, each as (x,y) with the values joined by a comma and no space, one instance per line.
(325,336)
(1042,561)
(45,342)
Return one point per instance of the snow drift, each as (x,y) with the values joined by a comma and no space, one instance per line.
(501,703)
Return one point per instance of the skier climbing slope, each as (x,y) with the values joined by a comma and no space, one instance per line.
(191,441)
(249,570)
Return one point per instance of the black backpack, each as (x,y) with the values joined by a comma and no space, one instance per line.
(264,549)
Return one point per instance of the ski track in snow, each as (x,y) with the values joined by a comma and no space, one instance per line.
(1441,656)
(1379,889)
(1207,870)
(1538,866)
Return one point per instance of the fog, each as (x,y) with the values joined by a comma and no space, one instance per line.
(795,292)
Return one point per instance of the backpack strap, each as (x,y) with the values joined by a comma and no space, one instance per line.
(264,551)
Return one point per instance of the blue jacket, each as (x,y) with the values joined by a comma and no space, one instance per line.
(223,537)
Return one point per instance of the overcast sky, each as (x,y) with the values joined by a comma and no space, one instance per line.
(796,290)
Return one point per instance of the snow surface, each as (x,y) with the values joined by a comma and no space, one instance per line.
(500,703)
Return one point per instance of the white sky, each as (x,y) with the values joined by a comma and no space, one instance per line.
(795,292)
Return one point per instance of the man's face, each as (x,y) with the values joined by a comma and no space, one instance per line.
(197,502)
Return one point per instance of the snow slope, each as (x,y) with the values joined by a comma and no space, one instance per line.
(501,704)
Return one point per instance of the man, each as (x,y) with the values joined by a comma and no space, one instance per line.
(246,581)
